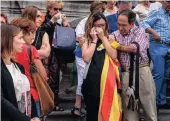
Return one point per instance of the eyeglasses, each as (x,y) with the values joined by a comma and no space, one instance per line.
(58,9)
(100,25)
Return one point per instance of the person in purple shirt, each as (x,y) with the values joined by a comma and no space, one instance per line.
(126,35)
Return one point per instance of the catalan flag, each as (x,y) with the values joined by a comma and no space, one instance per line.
(110,108)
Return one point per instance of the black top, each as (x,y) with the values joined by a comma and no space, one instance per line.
(91,85)
(9,106)
(38,39)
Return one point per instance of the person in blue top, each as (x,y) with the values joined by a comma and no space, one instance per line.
(112,19)
(157,24)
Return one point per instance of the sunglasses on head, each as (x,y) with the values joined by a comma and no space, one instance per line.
(56,9)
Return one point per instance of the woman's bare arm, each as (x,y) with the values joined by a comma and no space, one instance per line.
(45,49)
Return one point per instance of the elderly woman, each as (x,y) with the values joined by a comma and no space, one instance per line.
(54,17)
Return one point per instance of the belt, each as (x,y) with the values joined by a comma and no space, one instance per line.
(161,42)
(140,66)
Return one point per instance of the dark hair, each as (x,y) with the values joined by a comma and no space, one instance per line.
(8,32)
(25,24)
(5,17)
(90,23)
(30,12)
(96,6)
(130,14)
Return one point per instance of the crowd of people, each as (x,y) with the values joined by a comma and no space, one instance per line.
(116,45)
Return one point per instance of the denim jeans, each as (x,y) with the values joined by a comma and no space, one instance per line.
(161,69)
(38,108)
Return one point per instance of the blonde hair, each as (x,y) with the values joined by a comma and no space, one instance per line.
(50,3)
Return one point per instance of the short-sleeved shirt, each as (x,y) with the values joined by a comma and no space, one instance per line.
(23,59)
(142,11)
(80,31)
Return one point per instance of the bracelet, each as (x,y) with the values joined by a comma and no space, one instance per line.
(93,42)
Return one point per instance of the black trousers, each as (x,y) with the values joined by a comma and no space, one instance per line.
(92,107)
(54,70)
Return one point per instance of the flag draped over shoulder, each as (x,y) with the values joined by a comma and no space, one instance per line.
(110,108)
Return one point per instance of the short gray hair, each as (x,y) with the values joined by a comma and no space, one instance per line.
(124,2)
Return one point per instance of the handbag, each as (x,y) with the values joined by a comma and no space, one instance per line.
(64,43)
(45,93)
(64,38)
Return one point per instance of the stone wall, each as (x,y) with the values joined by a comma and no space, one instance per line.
(74,10)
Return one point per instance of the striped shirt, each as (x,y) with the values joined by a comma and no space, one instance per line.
(136,34)
(159,20)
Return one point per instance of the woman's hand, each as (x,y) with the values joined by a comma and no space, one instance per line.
(93,34)
(100,33)
(81,40)
(65,20)
(55,18)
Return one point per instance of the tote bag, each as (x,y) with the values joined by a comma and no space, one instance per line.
(64,38)
(45,93)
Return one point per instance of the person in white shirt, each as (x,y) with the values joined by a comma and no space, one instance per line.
(142,9)
(155,6)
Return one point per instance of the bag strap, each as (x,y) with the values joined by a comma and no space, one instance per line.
(131,69)
(132,55)
(137,71)
(29,52)
(37,38)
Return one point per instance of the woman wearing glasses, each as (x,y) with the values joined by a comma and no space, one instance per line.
(101,77)
(54,17)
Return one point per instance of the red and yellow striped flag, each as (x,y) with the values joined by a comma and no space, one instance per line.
(110,102)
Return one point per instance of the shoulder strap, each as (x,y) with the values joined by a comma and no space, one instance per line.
(29,52)
(37,38)
(131,69)
(137,71)
(132,56)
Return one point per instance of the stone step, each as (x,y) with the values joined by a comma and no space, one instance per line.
(168,99)
(164,115)
(67,100)
(63,116)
